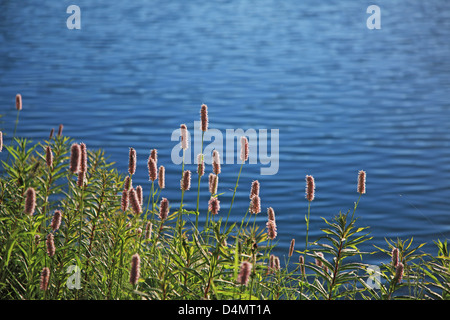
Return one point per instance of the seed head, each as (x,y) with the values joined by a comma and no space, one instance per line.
(310,188)
(134,201)
(244,149)
(19,101)
(30,201)
(184,137)
(162,177)
(51,134)
(128,183)
(56,220)
(255,189)
(152,170)
(216,162)
(148,230)
(45,276)
(132,161)
(399,272)
(213,183)
(186,180)
(274,263)
(255,205)
(361,182)
(75,157)
(163,209)
(291,248)
(244,273)
(140,195)
(395,258)
(214,205)
(301,261)
(135,269)
(200,165)
(204,117)
(84,158)
(124,201)
(271,229)
(60,130)
(81,178)
(50,245)
(271,213)
(154,155)
(49,156)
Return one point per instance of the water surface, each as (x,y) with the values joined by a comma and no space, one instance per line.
(344,98)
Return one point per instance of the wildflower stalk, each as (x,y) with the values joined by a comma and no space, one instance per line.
(197,213)
(234,193)
(310,190)
(307,225)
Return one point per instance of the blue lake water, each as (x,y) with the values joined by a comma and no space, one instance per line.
(344,98)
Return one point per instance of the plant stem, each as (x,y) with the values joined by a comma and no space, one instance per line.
(234,193)
(197,213)
(307,225)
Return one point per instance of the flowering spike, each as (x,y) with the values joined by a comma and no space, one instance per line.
(216,162)
(395,258)
(30,201)
(135,268)
(200,165)
(18,101)
(244,149)
(81,178)
(56,220)
(152,170)
(75,157)
(310,188)
(60,130)
(362,182)
(49,156)
(124,201)
(50,245)
(213,183)
(214,205)
(244,273)
(399,272)
(84,158)
(132,161)
(154,155)
(140,195)
(128,183)
(134,201)
(163,209)
(204,117)
(162,177)
(184,137)
(186,180)
(291,248)
(271,229)
(45,276)
(255,205)
(255,189)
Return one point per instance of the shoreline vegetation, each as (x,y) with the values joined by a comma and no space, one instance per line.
(74,228)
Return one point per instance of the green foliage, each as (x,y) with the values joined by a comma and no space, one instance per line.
(178,259)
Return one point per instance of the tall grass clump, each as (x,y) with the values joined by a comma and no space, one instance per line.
(73,227)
